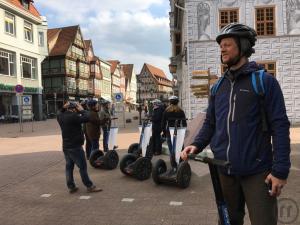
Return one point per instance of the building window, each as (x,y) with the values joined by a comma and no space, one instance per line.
(28,33)
(265,21)
(269,66)
(228,16)
(28,67)
(7,63)
(41,39)
(9,23)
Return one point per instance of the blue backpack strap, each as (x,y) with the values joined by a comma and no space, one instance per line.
(257,79)
(257,82)
(215,88)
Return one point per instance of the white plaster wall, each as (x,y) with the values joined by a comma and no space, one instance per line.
(284,49)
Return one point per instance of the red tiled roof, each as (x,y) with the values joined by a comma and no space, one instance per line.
(114,64)
(32,10)
(158,73)
(127,68)
(66,36)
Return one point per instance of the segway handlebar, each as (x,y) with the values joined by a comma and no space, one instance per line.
(208,160)
(114,118)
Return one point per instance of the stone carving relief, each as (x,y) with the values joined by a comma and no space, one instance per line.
(293,16)
(203,14)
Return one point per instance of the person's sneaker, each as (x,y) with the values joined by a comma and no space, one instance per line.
(73,190)
(93,188)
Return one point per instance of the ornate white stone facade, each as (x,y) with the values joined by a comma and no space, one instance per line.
(284,48)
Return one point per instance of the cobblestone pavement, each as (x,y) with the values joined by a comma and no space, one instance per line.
(33,192)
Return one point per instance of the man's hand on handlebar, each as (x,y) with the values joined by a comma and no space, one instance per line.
(188,150)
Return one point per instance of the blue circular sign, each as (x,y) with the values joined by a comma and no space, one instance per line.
(19,88)
(118,96)
(26,99)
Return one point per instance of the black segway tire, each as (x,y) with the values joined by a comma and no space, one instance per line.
(135,149)
(159,168)
(95,155)
(126,161)
(111,160)
(184,174)
(142,168)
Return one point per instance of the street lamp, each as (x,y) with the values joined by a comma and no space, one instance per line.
(187,55)
(139,101)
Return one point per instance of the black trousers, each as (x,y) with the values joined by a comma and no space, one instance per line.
(156,138)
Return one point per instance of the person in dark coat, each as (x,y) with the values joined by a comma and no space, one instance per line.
(70,119)
(172,113)
(105,118)
(87,141)
(156,126)
(250,131)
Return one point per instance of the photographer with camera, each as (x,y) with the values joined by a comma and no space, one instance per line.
(70,120)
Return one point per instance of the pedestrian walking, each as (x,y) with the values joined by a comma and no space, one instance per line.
(70,120)
(246,124)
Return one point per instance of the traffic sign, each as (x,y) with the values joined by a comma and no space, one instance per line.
(19,88)
(119,97)
(26,100)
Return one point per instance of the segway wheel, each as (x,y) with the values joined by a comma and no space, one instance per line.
(94,158)
(111,160)
(159,168)
(134,149)
(142,168)
(126,161)
(184,174)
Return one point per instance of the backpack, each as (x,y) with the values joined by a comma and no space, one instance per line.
(259,89)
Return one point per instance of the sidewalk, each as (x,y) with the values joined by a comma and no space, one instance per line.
(33,192)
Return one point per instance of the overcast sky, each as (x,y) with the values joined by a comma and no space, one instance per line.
(132,31)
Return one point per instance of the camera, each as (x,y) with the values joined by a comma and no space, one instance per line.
(72,105)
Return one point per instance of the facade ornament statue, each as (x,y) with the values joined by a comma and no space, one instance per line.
(203,17)
(293,16)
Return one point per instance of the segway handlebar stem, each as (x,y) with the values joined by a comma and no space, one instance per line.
(209,160)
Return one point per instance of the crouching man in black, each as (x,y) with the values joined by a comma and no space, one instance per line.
(70,119)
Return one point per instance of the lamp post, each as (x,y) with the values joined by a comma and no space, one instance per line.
(187,56)
(139,101)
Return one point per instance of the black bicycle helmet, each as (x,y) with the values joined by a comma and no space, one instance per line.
(245,37)
(237,30)
(173,100)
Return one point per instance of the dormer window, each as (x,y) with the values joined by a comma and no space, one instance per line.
(25,4)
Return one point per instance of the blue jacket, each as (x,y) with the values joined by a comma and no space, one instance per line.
(233,126)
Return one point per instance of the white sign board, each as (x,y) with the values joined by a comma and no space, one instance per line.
(27,107)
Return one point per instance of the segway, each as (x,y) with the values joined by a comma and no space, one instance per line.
(180,172)
(213,165)
(110,159)
(137,163)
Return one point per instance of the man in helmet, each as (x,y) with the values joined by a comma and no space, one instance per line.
(234,128)
(70,119)
(173,112)
(93,127)
(156,118)
(105,118)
